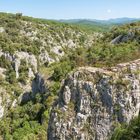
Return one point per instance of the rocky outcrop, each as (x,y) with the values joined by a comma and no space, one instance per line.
(1,109)
(5,101)
(123,38)
(2,29)
(93,101)
(34,81)
(31,61)
(16,58)
(44,58)
(38,84)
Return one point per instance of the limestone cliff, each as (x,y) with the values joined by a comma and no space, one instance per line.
(36,54)
(93,101)
(25,47)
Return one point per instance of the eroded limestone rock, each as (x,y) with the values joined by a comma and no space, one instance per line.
(38,84)
(93,100)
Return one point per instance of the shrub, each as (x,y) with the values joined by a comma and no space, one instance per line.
(11,76)
(61,70)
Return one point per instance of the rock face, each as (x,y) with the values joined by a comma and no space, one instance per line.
(38,84)
(31,61)
(93,101)
(5,101)
(44,58)
(16,58)
(1,109)
(2,29)
(123,38)
(34,81)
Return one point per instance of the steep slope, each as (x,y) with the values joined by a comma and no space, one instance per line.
(47,39)
(37,54)
(126,33)
(93,101)
(28,46)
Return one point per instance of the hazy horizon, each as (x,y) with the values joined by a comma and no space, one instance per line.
(71,18)
(73,9)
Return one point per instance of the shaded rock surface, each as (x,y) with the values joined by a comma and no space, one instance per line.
(92,101)
(38,84)
(123,38)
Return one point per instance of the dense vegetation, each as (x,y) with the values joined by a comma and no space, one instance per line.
(29,120)
(89,26)
(99,25)
(128,132)
(28,34)
(103,53)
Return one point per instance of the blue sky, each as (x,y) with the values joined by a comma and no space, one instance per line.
(73,9)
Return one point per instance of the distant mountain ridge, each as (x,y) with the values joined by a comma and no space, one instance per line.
(123,20)
(99,25)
